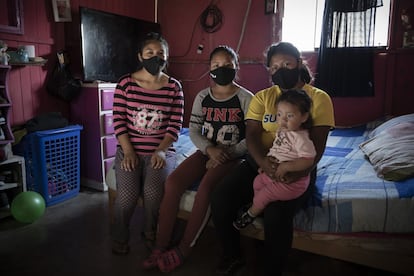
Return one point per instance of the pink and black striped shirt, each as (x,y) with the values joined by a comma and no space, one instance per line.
(147,115)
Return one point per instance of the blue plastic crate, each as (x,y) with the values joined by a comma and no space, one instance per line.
(53,163)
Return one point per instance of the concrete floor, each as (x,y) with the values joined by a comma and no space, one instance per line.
(71,238)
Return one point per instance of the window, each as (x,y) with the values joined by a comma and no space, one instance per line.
(302,23)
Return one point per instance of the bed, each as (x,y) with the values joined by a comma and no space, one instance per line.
(362,209)
(354,215)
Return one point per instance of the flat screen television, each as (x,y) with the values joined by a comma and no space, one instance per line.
(109,43)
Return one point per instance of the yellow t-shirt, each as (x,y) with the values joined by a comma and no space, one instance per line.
(263,108)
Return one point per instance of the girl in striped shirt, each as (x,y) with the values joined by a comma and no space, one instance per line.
(148,112)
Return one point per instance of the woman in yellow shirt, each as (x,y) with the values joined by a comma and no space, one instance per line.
(288,71)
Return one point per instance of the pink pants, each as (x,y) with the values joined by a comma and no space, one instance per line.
(266,190)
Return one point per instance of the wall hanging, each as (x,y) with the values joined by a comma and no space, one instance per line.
(61,10)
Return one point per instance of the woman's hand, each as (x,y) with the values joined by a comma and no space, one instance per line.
(158,159)
(269,166)
(286,175)
(218,154)
(130,161)
(290,177)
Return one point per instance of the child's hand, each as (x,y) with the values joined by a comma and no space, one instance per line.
(130,161)
(281,171)
(158,159)
(211,164)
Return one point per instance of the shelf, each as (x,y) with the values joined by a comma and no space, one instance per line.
(17,168)
(5,105)
(6,186)
(13,159)
(30,63)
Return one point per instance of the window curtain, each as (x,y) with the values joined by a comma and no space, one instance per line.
(345,57)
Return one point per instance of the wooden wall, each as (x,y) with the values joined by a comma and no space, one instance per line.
(179,22)
(393,89)
(27,83)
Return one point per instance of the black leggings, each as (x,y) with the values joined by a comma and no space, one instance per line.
(236,190)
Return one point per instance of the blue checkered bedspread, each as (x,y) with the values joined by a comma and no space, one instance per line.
(349,196)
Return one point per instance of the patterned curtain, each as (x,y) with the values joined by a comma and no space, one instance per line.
(345,57)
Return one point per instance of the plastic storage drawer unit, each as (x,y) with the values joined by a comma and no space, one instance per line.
(53,163)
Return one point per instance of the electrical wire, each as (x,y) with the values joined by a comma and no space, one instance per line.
(211,12)
(211,19)
(244,25)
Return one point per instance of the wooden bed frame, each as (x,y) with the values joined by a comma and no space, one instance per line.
(389,253)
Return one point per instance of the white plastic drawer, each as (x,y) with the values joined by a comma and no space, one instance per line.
(109,146)
(107,124)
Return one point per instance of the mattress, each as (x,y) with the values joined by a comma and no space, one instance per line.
(348,196)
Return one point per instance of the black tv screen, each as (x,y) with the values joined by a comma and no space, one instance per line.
(110,43)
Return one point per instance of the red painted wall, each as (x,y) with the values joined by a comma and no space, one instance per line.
(179,22)
(27,83)
(393,92)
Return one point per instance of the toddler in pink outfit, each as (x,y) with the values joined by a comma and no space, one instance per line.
(293,150)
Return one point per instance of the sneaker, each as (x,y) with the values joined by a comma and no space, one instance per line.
(242,220)
(230,266)
(170,260)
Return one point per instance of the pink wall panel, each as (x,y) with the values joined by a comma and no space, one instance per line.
(403,100)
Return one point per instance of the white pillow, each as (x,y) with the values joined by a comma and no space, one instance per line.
(391,152)
(409,118)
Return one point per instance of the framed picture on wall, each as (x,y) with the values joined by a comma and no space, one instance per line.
(61,10)
(11,17)
(270,6)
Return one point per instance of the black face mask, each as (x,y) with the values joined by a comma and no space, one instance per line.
(223,75)
(286,78)
(153,65)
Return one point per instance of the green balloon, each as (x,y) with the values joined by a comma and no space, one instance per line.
(28,206)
